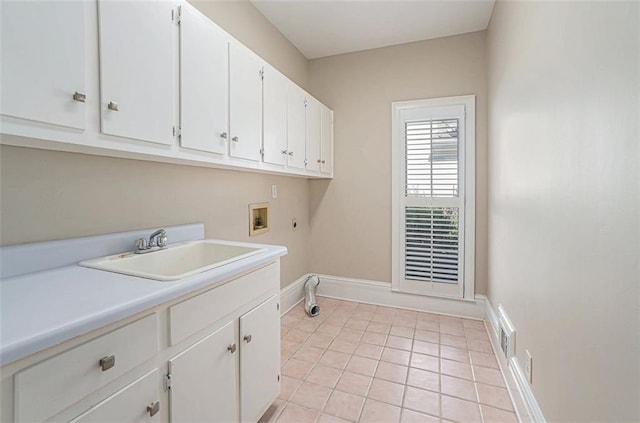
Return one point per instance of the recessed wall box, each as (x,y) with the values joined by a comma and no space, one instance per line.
(507,334)
(258,219)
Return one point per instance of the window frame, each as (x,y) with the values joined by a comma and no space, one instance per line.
(466,289)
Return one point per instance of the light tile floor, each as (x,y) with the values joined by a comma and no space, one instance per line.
(364,363)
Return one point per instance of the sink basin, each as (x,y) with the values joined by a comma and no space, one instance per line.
(175,262)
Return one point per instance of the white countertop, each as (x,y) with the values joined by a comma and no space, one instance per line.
(44,308)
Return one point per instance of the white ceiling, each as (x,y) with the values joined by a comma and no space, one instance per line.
(320,28)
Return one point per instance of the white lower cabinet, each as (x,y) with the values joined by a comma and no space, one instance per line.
(203,379)
(213,356)
(137,402)
(83,369)
(259,359)
(206,382)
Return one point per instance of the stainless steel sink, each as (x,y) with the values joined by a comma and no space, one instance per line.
(174,262)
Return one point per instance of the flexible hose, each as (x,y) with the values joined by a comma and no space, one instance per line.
(310,306)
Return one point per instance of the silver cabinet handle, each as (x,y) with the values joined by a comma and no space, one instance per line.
(107,362)
(232,348)
(153,408)
(224,135)
(235,139)
(247,338)
(113,106)
(81,97)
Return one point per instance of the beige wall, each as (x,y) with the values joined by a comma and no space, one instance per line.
(242,20)
(563,200)
(351,215)
(51,195)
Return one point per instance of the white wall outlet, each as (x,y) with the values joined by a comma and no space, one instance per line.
(294,224)
(274,191)
(528,363)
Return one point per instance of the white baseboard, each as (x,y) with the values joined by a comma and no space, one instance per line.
(524,401)
(292,294)
(379,293)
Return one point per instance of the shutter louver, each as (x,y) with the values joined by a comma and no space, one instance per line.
(431,244)
(432,247)
(432,158)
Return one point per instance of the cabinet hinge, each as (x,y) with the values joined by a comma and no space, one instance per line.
(278,378)
(176,15)
(278,306)
(305,103)
(305,162)
(177,131)
(166,382)
(262,152)
(261,73)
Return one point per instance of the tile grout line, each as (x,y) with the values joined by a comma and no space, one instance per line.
(389,321)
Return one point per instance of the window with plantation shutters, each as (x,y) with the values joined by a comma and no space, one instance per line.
(431,205)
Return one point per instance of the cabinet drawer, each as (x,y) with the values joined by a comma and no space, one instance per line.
(194,314)
(129,404)
(48,387)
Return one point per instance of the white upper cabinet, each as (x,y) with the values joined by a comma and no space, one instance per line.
(204,83)
(43,66)
(326,141)
(138,69)
(313,134)
(245,103)
(152,80)
(275,117)
(296,105)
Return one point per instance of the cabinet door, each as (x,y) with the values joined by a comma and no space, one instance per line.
(204,83)
(326,141)
(295,127)
(313,134)
(203,380)
(137,69)
(43,61)
(245,103)
(259,359)
(275,117)
(137,402)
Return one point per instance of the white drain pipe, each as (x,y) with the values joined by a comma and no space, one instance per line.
(310,306)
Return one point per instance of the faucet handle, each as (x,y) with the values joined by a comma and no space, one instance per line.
(141,244)
(162,240)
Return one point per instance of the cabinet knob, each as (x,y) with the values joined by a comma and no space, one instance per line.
(318,160)
(113,106)
(284,152)
(323,162)
(290,153)
(247,338)
(107,362)
(235,139)
(224,135)
(232,348)
(81,97)
(153,408)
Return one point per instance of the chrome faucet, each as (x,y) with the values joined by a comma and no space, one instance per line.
(157,241)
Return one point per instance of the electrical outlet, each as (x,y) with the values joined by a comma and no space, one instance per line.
(528,363)
(294,224)
(274,191)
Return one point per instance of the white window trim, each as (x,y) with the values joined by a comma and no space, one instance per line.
(467,291)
